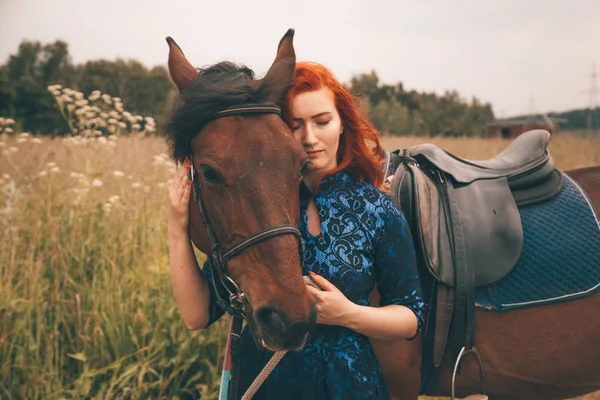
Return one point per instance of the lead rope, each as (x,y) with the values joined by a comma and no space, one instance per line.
(266,371)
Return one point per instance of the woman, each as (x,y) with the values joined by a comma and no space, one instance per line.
(355,237)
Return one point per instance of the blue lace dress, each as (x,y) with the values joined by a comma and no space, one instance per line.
(364,240)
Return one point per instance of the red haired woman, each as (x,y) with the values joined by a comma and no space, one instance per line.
(355,237)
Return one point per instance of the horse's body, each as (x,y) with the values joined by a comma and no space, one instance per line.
(545,352)
(542,352)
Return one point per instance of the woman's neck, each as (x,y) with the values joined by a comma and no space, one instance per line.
(311,181)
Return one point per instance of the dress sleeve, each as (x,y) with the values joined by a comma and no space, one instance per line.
(396,266)
(214,310)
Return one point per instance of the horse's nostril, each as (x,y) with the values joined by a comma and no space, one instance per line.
(271,320)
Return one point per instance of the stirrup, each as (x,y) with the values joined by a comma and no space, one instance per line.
(462,353)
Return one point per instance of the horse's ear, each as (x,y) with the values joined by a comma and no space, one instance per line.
(281,74)
(180,69)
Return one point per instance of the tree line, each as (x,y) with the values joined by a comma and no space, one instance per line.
(26,75)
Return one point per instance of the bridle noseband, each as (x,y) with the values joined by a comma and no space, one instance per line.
(218,258)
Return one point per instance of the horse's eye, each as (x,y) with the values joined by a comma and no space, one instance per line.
(210,175)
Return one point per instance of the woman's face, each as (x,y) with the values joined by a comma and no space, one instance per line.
(317,125)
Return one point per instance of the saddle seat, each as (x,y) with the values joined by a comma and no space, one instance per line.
(525,162)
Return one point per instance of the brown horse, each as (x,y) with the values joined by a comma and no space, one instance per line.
(250,166)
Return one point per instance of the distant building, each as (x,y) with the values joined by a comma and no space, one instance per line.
(511,128)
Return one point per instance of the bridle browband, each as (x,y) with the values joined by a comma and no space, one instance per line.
(218,258)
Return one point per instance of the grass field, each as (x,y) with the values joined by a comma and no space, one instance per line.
(86,308)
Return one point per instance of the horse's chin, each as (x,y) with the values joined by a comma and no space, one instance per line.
(276,344)
(287,346)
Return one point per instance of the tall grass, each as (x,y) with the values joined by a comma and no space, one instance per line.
(86,308)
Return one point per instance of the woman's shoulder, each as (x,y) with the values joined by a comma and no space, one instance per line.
(377,197)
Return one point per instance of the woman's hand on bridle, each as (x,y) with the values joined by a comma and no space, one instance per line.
(179,198)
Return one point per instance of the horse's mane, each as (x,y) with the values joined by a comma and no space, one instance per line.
(219,86)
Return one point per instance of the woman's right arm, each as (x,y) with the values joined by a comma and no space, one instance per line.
(189,284)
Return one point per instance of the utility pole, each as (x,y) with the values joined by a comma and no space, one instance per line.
(592,123)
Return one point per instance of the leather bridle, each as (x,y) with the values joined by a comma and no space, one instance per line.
(219,257)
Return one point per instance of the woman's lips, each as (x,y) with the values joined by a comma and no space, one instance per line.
(313,153)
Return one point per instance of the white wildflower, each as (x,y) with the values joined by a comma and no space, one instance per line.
(95,95)
(146,189)
(136,185)
(13,149)
(25,134)
(54,170)
(136,127)
(8,130)
(107,207)
(2,144)
(122,124)
(21,140)
(36,140)
(43,173)
(112,138)
(118,173)
(81,103)
(51,164)
(114,199)
(96,183)
(70,107)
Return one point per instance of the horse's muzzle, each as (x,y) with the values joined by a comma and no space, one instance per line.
(278,332)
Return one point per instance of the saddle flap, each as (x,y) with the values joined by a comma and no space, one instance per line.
(490,222)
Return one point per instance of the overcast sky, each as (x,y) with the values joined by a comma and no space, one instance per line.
(519,55)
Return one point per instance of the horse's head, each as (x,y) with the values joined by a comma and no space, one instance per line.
(248,167)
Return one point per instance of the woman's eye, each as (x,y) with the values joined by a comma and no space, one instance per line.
(295,128)
(323,122)
(210,175)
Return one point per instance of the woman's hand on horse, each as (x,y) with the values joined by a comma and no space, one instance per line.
(333,308)
(179,197)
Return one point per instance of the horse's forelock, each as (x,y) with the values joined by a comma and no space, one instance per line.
(217,87)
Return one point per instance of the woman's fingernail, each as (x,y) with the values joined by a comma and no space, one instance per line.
(311,273)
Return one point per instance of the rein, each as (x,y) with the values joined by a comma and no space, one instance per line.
(219,257)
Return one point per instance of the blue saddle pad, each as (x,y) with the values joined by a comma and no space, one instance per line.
(560,259)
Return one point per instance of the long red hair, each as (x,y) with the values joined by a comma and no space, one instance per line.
(359,151)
